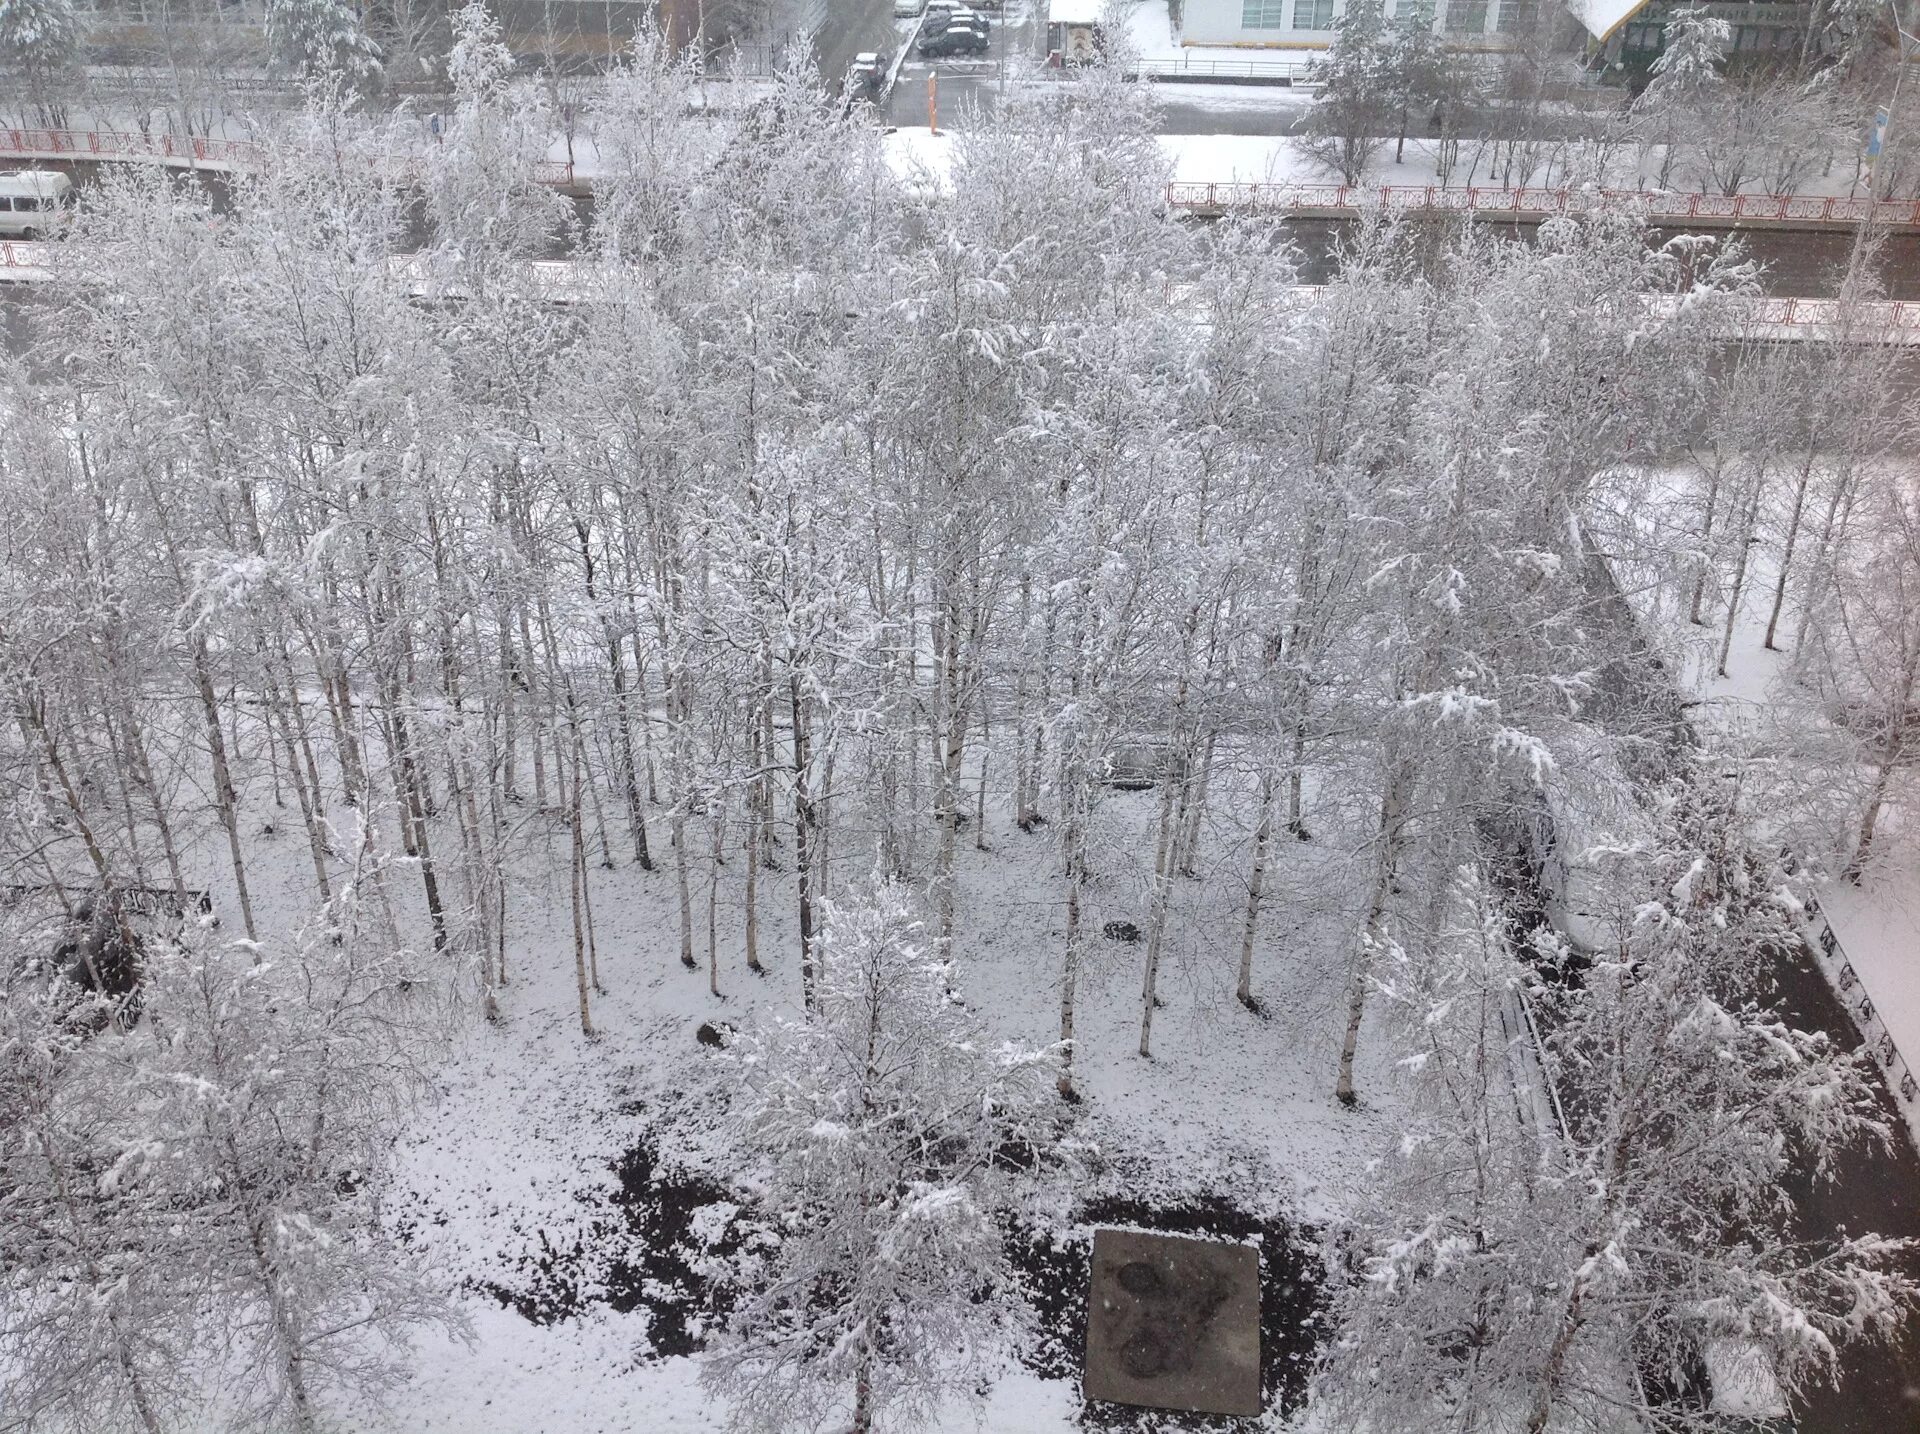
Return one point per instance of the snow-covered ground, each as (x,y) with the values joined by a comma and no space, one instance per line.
(1279,159)
(515,1154)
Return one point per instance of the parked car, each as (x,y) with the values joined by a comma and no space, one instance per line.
(941,12)
(908,9)
(33,203)
(955,20)
(953,40)
(866,75)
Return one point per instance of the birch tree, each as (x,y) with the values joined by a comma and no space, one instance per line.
(876,1126)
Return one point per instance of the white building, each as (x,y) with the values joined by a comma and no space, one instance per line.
(1308,24)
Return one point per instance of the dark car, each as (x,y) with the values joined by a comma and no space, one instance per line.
(866,75)
(938,22)
(954,40)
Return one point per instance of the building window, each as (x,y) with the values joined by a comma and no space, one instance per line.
(1313,14)
(1513,16)
(1467,17)
(1263,14)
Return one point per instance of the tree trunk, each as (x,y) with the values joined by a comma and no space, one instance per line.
(1786,551)
(980,799)
(863,1390)
(1256,883)
(1075,848)
(577,860)
(1187,846)
(717,815)
(952,749)
(1823,554)
(1173,799)
(1694,615)
(1747,540)
(1392,815)
(225,798)
(803,834)
(750,851)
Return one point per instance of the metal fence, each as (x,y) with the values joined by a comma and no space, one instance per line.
(1298,73)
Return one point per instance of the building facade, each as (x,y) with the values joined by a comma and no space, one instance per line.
(1627,33)
(1630,36)
(1308,24)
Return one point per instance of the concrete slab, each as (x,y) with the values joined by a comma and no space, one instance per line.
(1174,1323)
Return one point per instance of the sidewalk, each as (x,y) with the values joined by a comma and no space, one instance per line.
(1868,937)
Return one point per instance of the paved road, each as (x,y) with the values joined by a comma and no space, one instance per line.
(853,26)
(969,87)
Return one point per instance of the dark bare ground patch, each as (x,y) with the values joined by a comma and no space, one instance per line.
(663,1238)
(653,1245)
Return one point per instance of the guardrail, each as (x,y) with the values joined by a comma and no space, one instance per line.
(193,152)
(1541,203)
(1282,72)
(108,145)
(1853,996)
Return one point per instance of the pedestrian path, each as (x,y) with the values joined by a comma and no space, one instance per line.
(1868,940)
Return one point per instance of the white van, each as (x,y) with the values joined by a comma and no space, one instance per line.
(33,203)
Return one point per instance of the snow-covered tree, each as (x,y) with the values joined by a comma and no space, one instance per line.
(40,57)
(96,1321)
(268,1098)
(213,1174)
(1686,80)
(1353,114)
(322,41)
(875,1132)
(1555,1243)
(1863,654)
(1762,131)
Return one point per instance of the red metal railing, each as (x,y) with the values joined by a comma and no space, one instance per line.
(110,145)
(1473,199)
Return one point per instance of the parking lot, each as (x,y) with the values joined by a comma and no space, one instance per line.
(966,83)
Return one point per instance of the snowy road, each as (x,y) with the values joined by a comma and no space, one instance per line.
(853,26)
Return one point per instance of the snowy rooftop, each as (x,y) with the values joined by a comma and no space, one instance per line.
(1075,12)
(1603,17)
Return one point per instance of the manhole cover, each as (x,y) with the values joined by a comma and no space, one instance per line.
(1174,1323)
